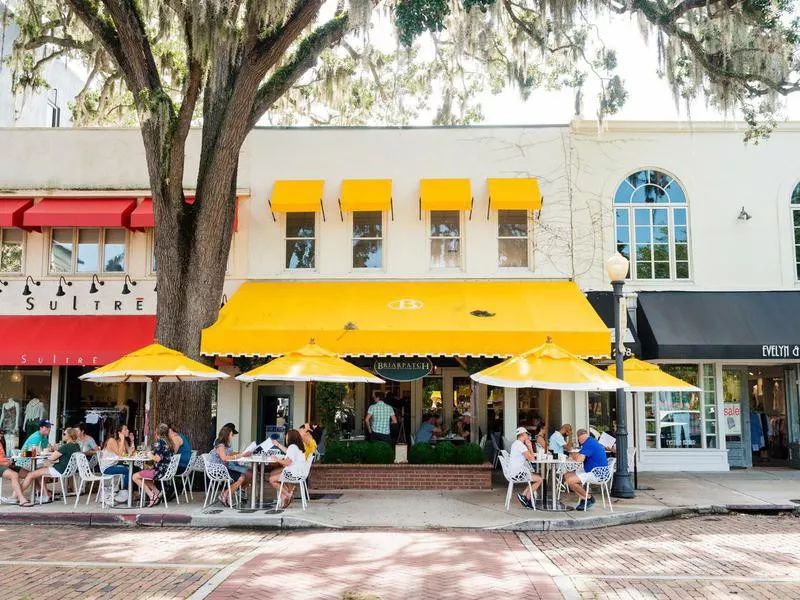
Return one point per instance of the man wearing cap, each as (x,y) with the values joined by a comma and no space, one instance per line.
(38,439)
(521,453)
(592,455)
(463,425)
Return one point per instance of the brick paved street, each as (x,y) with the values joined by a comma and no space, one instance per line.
(736,556)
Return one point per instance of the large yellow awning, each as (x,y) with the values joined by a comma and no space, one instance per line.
(406,318)
(445,194)
(299,195)
(514,194)
(366,194)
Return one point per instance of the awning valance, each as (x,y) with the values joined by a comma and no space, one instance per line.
(12,210)
(72,340)
(514,194)
(143,218)
(80,212)
(406,318)
(720,325)
(299,195)
(366,194)
(445,194)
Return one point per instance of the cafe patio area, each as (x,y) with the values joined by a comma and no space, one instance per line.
(671,494)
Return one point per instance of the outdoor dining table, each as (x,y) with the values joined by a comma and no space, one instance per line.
(259,461)
(131,460)
(547,466)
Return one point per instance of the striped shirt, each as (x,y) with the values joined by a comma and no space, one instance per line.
(382,414)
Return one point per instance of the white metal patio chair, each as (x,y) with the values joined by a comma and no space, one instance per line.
(217,477)
(561,470)
(86,475)
(514,478)
(187,478)
(601,476)
(495,449)
(70,471)
(297,475)
(169,475)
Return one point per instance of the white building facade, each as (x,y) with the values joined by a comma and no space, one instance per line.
(434,228)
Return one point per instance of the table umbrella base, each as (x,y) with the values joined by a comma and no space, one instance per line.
(549,506)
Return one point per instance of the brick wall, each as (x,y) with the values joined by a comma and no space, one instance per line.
(401,477)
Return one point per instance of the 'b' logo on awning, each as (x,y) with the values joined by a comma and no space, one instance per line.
(406,304)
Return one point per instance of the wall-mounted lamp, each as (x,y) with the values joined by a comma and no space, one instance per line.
(224,300)
(744,215)
(125,288)
(61,283)
(95,282)
(3,283)
(26,291)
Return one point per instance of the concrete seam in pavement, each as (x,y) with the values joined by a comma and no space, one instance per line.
(563,582)
(220,576)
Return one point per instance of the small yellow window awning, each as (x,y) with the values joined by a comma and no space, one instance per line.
(297,195)
(406,318)
(445,194)
(514,194)
(366,194)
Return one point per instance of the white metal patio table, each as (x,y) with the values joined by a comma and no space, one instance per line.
(259,462)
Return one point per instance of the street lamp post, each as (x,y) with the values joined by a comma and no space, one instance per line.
(617,267)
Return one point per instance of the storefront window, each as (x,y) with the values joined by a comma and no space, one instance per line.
(432,395)
(462,397)
(512,238)
(11,250)
(674,419)
(445,239)
(494,407)
(24,399)
(98,250)
(301,240)
(710,405)
(530,407)
(732,384)
(602,412)
(367,240)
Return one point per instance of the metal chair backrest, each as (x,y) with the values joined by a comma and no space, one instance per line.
(72,466)
(215,471)
(172,467)
(84,470)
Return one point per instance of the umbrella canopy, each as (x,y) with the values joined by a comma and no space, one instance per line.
(310,363)
(549,367)
(645,377)
(154,363)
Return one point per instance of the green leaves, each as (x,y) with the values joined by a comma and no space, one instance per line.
(413,17)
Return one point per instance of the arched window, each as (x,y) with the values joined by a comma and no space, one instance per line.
(796,228)
(651,219)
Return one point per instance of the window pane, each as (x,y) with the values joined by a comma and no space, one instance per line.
(643,235)
(623,235)
(680,235)
(661,270)
(661,235)
(654,195)
(796,194)
(512,223)
(625,250)
(661,217)
(661,252)
(682,270)
(513,253)
(679,417)
(623,195)
(367,224)
(114,251)
(300,225)
(676,195)
(644,270)
(299,254)
(797,235)
(644,253)
(796,216)
(367,254)
(622,216)
(61,250)
(88,250)
(445,254)
(679,216)
(11,251)
(681,252)
(642,216)
(445,223)
(660,179)
(637,179)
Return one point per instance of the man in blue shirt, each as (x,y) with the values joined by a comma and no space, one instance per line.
(427,430)
(592,455)
(38,439)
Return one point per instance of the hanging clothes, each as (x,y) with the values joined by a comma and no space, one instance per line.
(756,431)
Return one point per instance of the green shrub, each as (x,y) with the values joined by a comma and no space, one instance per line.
(358,452)
(469,454)
(446,453)
(379,453)
(421,454)
(338,452)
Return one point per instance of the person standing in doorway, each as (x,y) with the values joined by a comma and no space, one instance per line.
(380,417)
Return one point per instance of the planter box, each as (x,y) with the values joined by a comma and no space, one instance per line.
(401,477)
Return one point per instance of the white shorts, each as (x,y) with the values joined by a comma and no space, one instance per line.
(53,472)
(584,477)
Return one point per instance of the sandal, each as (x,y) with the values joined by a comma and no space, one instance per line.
(154,500)
(26,504)
(224,500)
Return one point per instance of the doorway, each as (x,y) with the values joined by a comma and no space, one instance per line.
(274,417)
(396,394)
(736,417)
(767,395)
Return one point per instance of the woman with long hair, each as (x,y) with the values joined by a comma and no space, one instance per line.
(118,442)
(223,454)
(161,455)
(295,456)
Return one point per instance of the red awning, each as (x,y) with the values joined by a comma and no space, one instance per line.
(12,209)
(89,340)
(143,218)
(80,212)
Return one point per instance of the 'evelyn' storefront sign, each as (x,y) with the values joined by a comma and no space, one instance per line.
(403,369)
(780,351)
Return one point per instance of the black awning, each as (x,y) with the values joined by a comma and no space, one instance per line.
(603,305)
(726,325)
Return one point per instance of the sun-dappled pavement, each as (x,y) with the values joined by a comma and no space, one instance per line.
(709,557)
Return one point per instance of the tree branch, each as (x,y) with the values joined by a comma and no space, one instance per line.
(66,43)
(268,50)
(306,57)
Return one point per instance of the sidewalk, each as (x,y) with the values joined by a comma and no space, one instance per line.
(672,494)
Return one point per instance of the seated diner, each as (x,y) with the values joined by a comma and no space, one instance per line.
(224,455)
(57,462)
(294,456)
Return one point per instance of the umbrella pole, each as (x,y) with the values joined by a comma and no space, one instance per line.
(635,440)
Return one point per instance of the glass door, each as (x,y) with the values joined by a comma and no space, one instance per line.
(736,416)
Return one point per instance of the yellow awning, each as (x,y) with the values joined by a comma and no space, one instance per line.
(406,318)
(514,194)
(366,194)
(299,195)
(445,194)
(645,377)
